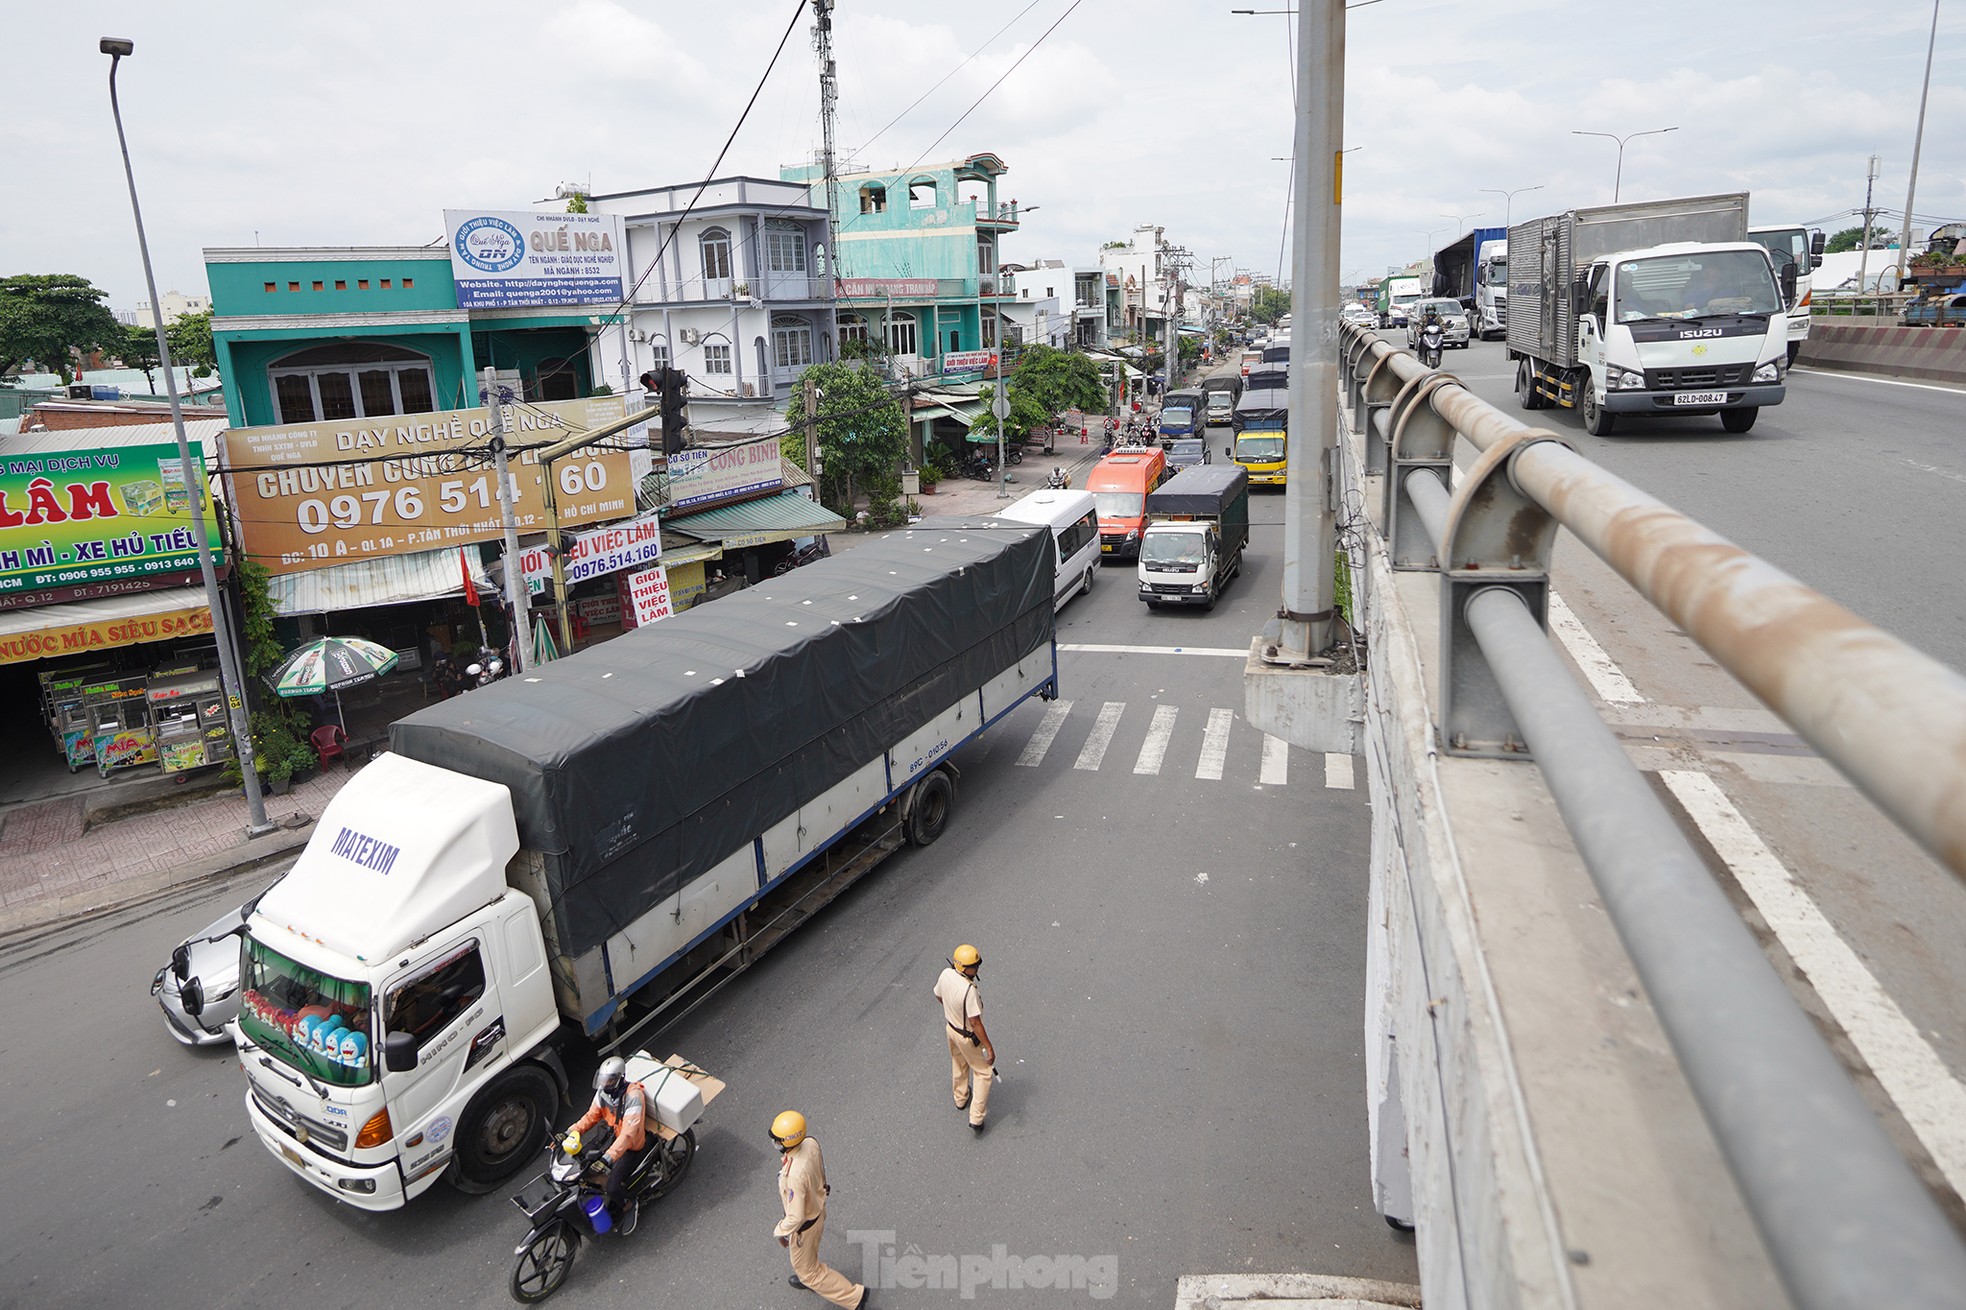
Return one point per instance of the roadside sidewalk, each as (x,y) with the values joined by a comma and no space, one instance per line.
(52,870)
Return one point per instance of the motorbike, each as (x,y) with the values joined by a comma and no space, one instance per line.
(816,549)
(978,466)
(488,668)
(567,1204)
(1058,479)
(1432,336)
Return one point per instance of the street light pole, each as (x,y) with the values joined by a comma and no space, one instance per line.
(1508,199)
(228,659)
(1618,181)
(1917,143)
(1461,220)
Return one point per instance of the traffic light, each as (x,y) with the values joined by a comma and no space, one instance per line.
(672,387)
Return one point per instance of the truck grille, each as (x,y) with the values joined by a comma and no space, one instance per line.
(1695,379)
(325,1138)
(1170,588)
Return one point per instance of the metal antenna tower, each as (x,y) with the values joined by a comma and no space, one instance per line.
(829,98)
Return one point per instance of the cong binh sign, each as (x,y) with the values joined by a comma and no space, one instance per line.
(92,518)
(507,259)
(704,474)
(313,495)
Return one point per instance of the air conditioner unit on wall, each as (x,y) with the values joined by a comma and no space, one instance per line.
(690,336)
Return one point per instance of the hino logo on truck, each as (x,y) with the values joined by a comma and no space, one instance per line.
(369,852)
(1701,332)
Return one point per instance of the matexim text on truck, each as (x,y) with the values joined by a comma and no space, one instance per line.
(1653,309)
(566,858)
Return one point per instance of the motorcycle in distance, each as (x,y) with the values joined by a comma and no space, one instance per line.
(1432,337)
(488,668)
(1057,480)
(567,1204)
(979,467)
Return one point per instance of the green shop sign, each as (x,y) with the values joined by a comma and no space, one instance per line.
(71,518)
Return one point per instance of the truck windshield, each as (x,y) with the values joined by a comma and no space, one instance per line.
(1179,415)
(1696,286)
(313,1021)
(1118,504)
(1184,548)
(1495,273)
(1261,447)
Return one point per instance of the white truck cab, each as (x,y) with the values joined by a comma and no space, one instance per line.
(1681,329)
(397,924)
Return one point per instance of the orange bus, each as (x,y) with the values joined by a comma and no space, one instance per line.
(1119,484)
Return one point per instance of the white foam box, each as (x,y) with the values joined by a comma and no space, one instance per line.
(677,1099)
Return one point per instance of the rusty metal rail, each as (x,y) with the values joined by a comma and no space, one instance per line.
(1846,1220)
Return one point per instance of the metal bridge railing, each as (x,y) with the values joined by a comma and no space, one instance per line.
(1846,1220)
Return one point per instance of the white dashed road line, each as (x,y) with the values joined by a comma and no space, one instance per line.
(1338,772)
(1276,761)
(1159,733)
(1600,670)
(1102,735)
(1215,745)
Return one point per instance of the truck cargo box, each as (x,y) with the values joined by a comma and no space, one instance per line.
(1203,491)
(1548,255)
(638,764)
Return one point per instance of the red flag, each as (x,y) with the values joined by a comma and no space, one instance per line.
(470,588)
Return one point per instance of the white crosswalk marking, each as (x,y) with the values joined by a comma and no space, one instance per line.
(1276,761)
(1338,772)
(1102,735)
(1159,733)
(1040,742)
(1215,745)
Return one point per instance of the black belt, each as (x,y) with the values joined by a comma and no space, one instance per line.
(963,1032)
(809,1223)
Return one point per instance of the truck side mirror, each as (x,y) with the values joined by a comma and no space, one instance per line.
(399,1052)
(1788,284)
(1816,242)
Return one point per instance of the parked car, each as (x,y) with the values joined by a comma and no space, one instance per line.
(1356,313)
(1453,322)
(208,960)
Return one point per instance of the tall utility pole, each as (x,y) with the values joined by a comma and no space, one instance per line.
(1311,441)
(1863,237)
(119,48)
(829,99)
(508,495)
(1917,142)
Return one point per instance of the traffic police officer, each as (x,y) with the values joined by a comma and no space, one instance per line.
(972,1057)
(802,1187)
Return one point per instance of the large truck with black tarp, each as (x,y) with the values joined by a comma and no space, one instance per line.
(563,859)
(1262,419)
(1458,272)
(1653,309)
(1197,527)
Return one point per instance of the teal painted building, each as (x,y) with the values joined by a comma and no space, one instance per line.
(916,259)
(319,333)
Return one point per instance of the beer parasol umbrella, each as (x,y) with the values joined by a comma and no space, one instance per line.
(330,664)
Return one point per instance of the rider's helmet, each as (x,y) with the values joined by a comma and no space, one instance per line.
(966,958)
(788,1129)
(611,1081)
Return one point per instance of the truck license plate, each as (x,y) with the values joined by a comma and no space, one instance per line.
(1106,547)
(1700,398)
(293,1157)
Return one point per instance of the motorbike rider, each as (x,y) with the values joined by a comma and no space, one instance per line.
(623,1107)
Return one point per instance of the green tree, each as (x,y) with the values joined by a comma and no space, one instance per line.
(1847,239)
(1269,304)
(138,350)
(191,343)
(43,315)
(863,435)
(1057,380)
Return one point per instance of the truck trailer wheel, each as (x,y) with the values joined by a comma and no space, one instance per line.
(503,1128)
(1525,386)
(928,814)
(1738,420)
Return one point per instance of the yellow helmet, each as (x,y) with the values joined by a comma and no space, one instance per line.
(788,1129)
(966,956)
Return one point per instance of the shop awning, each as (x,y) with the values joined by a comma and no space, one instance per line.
(759,522)
(680,548)
(78,627)
(391,580)
(965,412)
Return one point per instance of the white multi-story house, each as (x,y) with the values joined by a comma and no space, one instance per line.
(1146,280)
(1041,313)
(733,286)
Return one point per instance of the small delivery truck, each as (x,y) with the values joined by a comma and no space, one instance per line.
(1197,529)
(566,857)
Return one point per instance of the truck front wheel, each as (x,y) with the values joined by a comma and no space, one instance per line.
(1738,420)
(1597,420)
(503,1127)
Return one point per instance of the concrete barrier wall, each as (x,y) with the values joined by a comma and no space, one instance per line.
(1934,354)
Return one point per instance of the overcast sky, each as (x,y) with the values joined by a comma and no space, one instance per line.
(358,123)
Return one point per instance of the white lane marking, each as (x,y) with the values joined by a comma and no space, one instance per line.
(1226,652)
(1276,761)
(1154,749)
(1911,1072)
(1102,735)
(1934,468)
(1882,382)
(1040,742)
(1338,772)
(1605,677)
(1215,745)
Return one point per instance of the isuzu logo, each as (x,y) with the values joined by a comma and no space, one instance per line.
(1701,332)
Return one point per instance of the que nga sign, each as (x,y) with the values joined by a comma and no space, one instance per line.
(317,494)
(79,518)
(505,259)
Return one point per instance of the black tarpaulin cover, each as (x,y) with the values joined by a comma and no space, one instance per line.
(638,764)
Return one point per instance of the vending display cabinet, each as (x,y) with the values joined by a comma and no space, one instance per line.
(118,713)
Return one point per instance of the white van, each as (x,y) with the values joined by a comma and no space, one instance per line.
(1074,524)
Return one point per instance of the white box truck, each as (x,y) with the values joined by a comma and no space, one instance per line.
(566,857)
(1652,309)
(1197,528)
